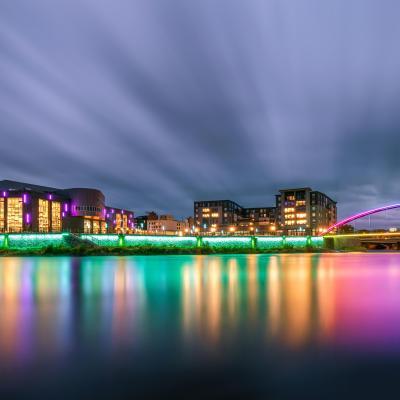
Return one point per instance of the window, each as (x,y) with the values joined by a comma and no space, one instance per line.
(96,226)
(56,216)
(118,220)
(289,209)
(43,217)
(2,221)
(87,226)
(301,215)
(14,214)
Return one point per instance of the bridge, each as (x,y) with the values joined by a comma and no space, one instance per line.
(370,240)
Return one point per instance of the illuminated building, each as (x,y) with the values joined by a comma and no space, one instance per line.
(226,216)
(303,211)
(25,207)
(260,220)
(166,224)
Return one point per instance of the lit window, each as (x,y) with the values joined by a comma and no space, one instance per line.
(2,221)
(87,226)
(96,226)
(43,218)
(14,214)
(56,216)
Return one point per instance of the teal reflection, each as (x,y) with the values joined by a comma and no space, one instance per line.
(52,306)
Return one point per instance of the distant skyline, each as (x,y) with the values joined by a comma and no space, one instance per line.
(162,103)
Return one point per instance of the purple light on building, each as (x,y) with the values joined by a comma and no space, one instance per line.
(50,197)
(66,207)
(130,215)
(28,218)
(63,214)
(4,194)
(108,215)
(122,211)
(112,211)
(25,198)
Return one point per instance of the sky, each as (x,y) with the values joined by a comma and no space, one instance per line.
(160,103)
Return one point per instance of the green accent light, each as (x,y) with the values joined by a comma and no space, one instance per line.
(268,243)
(35,240)
(3,241)
(157,241)
(296,242)
(102,240)
(236,242)
(39,240)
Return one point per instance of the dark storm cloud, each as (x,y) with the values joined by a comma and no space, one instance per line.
(160,103)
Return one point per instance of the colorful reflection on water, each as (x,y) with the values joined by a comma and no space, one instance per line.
(51,307)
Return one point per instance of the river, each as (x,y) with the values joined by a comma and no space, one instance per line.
(277,326)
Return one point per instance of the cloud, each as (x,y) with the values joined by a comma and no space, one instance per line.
(162,103)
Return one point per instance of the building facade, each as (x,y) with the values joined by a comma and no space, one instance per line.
(226,216)
(260,220)
(216,215)
(168,225)
(303,211)
(26,207)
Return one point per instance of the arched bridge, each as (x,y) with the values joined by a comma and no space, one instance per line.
(357,216)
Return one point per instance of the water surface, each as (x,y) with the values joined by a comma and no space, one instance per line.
(285,326)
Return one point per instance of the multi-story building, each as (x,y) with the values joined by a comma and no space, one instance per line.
(167,224)
(25,207)
(216,215)
(226,216)
(303,211)
(141,221)
(261,220)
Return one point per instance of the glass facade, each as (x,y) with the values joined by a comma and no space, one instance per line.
(43,216)
(125,222)
(56,216)
(96,226)
(14,214)
(87,225)
(118,221)
(2,221)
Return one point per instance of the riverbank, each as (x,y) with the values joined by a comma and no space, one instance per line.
(150,250)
